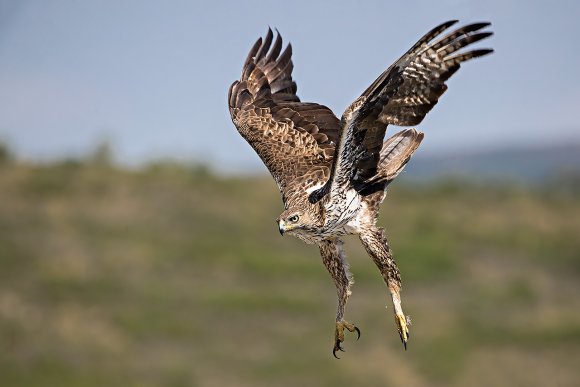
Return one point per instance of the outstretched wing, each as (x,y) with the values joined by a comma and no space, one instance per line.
(295,140)
(402,95)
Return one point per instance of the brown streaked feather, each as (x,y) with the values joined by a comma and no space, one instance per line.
(421,76)
(295,140)
(395,153)
(402,95)
(421,43)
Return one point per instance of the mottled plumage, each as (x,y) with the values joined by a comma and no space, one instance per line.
(333,173)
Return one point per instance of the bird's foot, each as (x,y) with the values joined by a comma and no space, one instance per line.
(402,324)
(401,321)
(339,335)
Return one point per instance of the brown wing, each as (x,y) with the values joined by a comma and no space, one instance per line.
(295,140)
(402,95)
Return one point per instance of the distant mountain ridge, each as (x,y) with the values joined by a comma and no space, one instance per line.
(527,164)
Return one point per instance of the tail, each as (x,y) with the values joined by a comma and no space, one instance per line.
(394,155)
(396,152)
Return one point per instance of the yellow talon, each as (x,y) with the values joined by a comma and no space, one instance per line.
(402,326)
(339,335)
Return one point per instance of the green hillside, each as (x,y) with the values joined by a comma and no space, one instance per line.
(170,276)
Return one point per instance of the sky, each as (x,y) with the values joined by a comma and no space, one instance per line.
(151,77)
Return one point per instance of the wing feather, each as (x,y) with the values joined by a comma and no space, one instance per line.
(402,95)
(295,140)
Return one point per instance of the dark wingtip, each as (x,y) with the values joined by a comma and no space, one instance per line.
(484,35)
(448,23)
(357,332)
(265,46)
(482,52)
(482,24)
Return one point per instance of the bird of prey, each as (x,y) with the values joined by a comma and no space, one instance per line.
(333,174)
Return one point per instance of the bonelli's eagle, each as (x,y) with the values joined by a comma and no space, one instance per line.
(333,174)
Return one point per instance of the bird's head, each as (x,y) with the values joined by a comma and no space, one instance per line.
(295,221)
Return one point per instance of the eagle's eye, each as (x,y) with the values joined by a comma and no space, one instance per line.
(293,218)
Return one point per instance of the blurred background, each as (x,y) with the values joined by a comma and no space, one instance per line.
(137,235)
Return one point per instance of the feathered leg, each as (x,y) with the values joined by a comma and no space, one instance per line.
(334,260)
(377,246)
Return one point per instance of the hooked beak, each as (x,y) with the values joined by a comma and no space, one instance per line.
(281,227)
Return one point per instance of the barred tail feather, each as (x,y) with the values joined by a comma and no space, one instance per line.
(396,152)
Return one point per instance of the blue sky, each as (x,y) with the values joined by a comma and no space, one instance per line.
(152,77)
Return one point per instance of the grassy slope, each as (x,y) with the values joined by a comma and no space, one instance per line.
(171,277)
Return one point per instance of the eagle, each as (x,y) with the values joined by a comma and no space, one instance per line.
(333,173)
